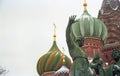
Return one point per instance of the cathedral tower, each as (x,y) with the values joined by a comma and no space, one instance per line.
(110,15)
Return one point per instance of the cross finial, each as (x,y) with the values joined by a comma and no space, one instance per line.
(54,32)
(85,5)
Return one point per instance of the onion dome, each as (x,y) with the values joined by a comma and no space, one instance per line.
(52,60)
(88,26)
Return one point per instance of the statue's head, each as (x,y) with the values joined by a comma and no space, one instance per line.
(116,54)
(80,42)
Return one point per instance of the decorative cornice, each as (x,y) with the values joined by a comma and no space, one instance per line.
(111,14)
(112,45)
(90,37)
(48,72)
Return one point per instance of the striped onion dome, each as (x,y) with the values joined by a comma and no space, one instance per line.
(88,26)
(52,60)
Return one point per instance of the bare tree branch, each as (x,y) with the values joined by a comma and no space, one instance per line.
(2,71)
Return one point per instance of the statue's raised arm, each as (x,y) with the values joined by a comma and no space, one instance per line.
(68,32)
(73,44)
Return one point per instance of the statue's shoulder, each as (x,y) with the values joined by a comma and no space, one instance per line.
(77,21)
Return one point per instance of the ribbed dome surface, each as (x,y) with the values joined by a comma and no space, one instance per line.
(52,60)
(88,26)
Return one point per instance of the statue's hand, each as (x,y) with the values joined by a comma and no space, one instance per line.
(80,42)
(72,19)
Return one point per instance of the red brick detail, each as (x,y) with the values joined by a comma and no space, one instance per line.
(92,45)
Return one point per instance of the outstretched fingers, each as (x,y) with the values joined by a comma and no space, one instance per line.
(72,19)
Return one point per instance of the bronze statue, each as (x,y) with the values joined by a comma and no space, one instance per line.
(97,65)
(112,70)
(81,65)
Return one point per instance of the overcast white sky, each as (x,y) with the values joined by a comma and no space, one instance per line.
(26,30)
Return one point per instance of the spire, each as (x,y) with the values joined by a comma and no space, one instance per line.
(85,5)
(54,32)
(109,6)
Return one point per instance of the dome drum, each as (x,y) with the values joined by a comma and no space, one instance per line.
(92,45)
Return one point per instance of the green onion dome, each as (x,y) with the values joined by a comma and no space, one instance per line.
(88,26)
(52,60)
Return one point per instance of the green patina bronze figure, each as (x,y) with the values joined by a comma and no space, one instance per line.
(77,30)
(97,65)
(116,66)
(81,66)
(112,70)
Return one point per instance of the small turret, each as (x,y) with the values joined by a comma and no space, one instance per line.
(110,15)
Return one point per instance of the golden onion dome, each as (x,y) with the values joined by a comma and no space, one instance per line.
(52,60)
